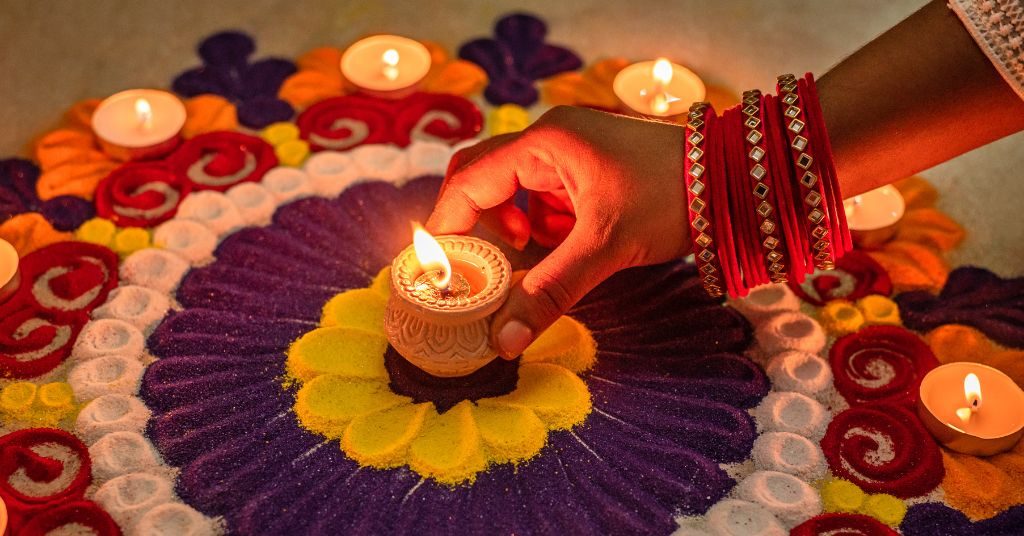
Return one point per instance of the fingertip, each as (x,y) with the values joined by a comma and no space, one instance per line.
(513,337)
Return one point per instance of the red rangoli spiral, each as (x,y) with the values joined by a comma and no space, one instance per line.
(843,524)
(85,513)
(856,275)
(883,449)
(140,194)
(60,284)
(341,123)
(436,117)
(220,160)
(880,364)
(41,469)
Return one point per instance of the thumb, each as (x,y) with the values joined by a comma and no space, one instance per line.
(551,288)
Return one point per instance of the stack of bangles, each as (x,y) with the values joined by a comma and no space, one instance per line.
(761,187)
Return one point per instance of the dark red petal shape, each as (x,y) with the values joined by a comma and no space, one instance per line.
(843,524)
(222,159)
(906,463)
(858,358)
(141,194)
(870,278)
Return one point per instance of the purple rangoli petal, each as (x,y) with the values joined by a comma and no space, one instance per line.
(221,412)
(972,296)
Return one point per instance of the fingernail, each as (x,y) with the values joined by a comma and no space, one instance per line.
(513,338)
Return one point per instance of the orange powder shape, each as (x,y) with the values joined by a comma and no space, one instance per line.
(980,487)
(30,231)
(208,113)
(914,255)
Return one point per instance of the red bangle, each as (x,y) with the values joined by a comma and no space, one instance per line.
(792,231)
(736,170)
(842,242)
(696,174)
(760,175)
(814,208)
(721,211)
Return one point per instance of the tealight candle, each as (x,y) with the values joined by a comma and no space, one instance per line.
(386,65)
(443,293)
(872,216)
(9,275)
(139,124)
(659,88)
(972,408)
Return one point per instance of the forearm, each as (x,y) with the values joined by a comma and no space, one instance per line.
(918,95)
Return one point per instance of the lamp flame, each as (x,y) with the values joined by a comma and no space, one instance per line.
(972,391)
(662,71)
(389,60)
(431,256)
(144,112)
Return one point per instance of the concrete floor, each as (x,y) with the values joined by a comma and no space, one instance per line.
(58,51)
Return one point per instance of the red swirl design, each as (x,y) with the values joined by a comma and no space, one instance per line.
(341,123)
(868,277)
(843,524)
(880,364)
(66,278)
(31,344)
(85,513)
(883,449)
(222,159)
(140,194)
(24,453)
(60,284)
(436,117)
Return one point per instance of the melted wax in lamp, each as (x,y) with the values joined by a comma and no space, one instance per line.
(386,65)
(139,123)
(963,422)
(443,279)
(659,88)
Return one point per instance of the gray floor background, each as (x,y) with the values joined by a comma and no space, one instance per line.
(55,52)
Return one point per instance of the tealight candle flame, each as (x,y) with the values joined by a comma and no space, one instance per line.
(144,112)
(662,71)
(972,391)
(389,61)
(431,256)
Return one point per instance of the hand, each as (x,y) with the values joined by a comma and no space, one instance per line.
(623,178)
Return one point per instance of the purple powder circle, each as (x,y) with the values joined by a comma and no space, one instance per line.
(669,393)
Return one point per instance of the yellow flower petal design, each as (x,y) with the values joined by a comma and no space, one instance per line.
(97,231)
(342,351)
(510,434)
(292,152)
(328,403)
(361,308)
(448,449)
(278,133)
(382,439)
(879,309)
(886,508)
(345,393)
(554,393)
(840,317)
(131,239)
(567,343)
